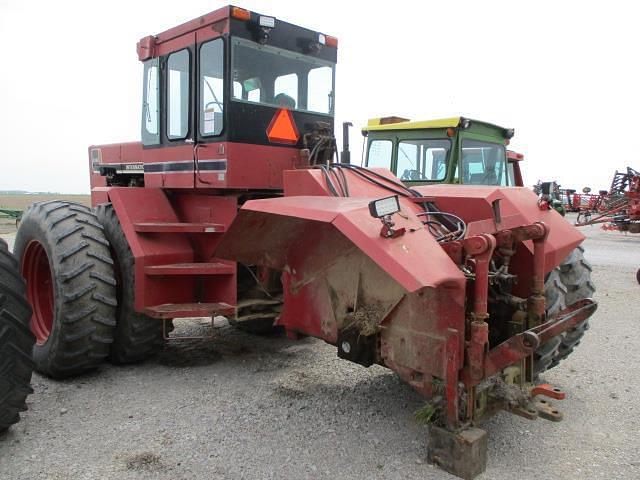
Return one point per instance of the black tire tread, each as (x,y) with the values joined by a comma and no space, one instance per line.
(84,286)
(16,341)
(137,336)
(566,284)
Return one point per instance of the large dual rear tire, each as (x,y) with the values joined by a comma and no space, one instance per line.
(137,336)
(66,261)
(80,280)
(16,341)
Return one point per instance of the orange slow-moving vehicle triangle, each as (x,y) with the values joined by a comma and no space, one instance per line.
(282,128)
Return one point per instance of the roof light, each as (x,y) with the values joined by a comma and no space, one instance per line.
(392,119)
(464,123)
(322,40)
(514,156)
(332,41)
(146,47)
(451,132)
(240,14)
(384,207)
(509,132)
(267,22)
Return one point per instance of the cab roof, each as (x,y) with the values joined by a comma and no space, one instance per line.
(237,22)
(398,123)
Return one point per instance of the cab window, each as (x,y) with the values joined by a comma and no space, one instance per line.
(286,90)
(178,95)
(320,81)
(281,78)
(483,163)
(212,87)
(151,103)
(422,160)
(511,175)
(379,154)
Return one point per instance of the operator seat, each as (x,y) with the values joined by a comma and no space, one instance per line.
(490,176)
(284,100)
(409,174)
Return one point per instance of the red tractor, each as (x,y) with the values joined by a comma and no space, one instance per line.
(231,205)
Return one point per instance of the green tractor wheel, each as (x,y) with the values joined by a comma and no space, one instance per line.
(565,285)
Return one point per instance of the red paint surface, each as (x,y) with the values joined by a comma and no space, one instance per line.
(37,273)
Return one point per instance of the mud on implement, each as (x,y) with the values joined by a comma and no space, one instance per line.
(231,205)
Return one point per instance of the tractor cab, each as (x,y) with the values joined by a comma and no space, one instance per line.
(451,150)
(229,100)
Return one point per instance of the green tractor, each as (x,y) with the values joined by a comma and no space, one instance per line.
(463,151)
(451,150)
(454,150)
(550,192)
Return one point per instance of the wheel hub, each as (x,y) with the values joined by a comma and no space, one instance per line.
(37,273)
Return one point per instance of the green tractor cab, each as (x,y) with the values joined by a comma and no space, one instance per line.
(449,150)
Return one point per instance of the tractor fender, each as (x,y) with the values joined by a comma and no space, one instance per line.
(340,274)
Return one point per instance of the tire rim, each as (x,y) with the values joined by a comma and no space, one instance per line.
(37,273)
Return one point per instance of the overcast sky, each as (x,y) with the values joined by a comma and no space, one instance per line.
(563,74)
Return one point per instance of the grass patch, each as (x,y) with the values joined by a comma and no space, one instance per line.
(427,414)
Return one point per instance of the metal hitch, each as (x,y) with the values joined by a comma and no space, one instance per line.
(539,407)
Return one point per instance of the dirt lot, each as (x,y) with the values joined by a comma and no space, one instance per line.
(240,406)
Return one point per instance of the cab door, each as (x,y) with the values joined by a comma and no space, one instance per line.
(210,111)
(171,164)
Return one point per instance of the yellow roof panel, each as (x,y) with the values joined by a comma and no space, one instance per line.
(374,124)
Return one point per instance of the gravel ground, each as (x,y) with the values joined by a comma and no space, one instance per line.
(240,406)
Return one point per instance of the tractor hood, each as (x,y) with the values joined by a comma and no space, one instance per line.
(292,227)
(516,206)
(339,272)
(346,282)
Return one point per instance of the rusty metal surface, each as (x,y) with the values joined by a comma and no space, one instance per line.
(189,310)
(463,454)
(408,302)
(522,345)
(547,411)
(547,390)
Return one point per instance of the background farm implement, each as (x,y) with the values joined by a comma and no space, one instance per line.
(619,208)
(11,214)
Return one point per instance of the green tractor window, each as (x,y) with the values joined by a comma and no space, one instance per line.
(483,163)
(420,160)
(380,154)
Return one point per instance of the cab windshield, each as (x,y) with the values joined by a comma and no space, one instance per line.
(483,163)
(420,160)
(281,78)
(417,160)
